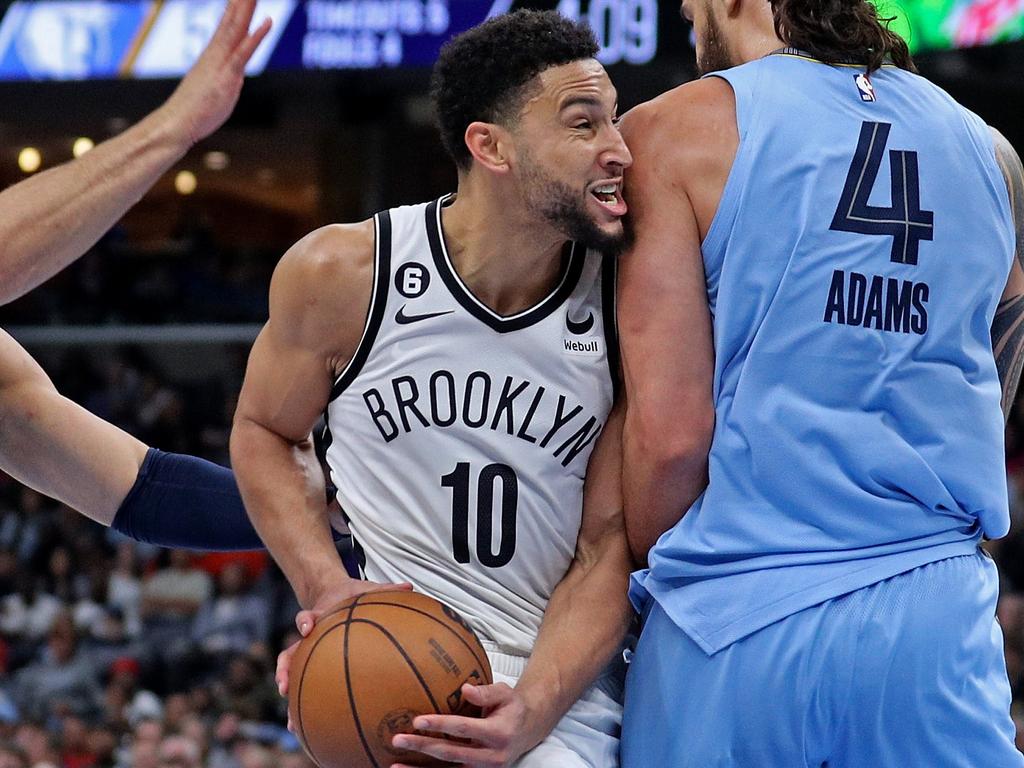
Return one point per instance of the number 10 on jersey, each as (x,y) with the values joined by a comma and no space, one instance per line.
(459,481)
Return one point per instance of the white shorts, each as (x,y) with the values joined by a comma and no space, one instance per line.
(588,735)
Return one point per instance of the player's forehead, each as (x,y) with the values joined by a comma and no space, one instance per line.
(584,81)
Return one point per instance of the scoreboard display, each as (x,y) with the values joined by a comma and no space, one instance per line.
(100,39)
(84,39)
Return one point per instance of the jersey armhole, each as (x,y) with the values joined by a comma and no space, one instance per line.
(728,204)
(609,277)
(378,300)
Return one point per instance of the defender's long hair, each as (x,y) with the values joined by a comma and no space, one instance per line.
(848,31)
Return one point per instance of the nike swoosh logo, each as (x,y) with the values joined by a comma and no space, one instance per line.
(403,319)
(581,327)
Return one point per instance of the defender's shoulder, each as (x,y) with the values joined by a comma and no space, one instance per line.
(682,109)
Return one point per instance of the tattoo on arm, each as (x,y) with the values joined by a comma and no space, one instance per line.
(1008,325)
(1013,173)
(1008,346)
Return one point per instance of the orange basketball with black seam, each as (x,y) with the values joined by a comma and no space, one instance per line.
(373,664)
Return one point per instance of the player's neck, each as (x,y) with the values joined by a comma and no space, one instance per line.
(755,38)
(508,260)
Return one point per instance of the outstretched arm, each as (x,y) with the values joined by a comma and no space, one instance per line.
(49,220)
(1008,324)
(57,447)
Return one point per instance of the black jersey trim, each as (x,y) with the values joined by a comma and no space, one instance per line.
(375,315)
(609,273)
(573,258)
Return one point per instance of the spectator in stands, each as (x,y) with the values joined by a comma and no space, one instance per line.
(22,525)
(235,619)
(12,756)
(179,752)
(124,590)
(74,737)
(177,592)
(248,690)
(102,742)
(126,703)
(26,616)
(38,745)
(63,681)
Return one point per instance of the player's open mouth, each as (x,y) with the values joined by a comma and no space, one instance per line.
(609,196)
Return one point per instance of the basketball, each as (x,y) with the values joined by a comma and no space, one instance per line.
(373,664)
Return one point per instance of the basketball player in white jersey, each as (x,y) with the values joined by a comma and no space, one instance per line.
(465,353)
(47,222)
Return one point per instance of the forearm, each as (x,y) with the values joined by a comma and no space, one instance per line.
(282,485)
(582,630)
(659,485)
(49,220)
(57,447)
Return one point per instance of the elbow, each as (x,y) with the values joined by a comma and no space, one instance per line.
(665,471)
(673,448)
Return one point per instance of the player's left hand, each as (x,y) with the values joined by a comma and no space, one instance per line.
(496,740)
(208,93)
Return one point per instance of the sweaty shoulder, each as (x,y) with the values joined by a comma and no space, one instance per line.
(686,137)
(320,291)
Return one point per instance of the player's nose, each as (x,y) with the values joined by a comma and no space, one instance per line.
(616,153)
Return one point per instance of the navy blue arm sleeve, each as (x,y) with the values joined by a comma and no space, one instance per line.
(181,501)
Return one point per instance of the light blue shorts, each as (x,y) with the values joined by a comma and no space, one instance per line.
(906,673)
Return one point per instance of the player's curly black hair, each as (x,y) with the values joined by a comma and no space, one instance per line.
(483,74)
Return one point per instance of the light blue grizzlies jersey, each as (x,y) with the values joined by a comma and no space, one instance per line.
(853,268)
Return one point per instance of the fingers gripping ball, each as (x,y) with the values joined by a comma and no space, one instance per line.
(372,665)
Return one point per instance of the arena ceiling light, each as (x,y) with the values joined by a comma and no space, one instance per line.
(29,160)
(82,145)
(185,182)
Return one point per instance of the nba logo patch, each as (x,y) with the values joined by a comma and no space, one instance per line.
(864,87)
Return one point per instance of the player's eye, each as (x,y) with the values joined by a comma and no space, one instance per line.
(582,125)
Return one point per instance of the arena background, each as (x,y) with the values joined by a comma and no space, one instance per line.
(118,654)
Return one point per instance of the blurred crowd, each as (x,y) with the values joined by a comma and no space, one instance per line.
(184,279)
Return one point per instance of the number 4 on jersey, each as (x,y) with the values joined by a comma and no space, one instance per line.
(903,219)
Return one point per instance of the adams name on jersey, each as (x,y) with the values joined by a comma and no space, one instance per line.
(460,438)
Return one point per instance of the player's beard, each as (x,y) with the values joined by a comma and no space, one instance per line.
(565,209)
(714,52)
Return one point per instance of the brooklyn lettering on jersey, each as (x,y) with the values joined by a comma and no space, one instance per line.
(880,303)
(510,406)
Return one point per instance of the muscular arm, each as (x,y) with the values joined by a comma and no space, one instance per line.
(318,301)
(665,329)
(57,447)
(589,611)
(1008,324)
(49,220)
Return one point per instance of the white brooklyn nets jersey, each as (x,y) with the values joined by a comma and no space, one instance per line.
(459,438)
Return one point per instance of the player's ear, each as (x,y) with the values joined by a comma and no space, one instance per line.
(489,145)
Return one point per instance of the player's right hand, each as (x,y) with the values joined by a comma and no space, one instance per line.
(208,93)
(305,620)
